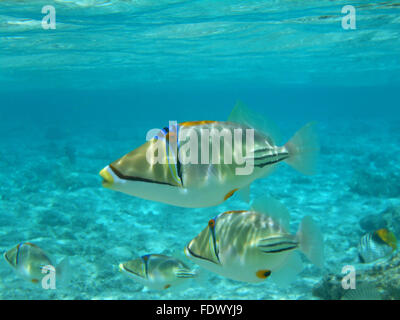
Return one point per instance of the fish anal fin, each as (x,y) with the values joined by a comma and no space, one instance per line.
(289,270)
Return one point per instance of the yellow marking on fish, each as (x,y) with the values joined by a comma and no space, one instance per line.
(234,211)
(31,244)
(230,193)
(35,280)
(388,237)
(196,123)
(167,286)
(108,179)
(263,274)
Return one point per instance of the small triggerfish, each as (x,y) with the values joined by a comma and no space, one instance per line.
(252,245)
(376,245)
(157,271)
(203,163)
(29,262)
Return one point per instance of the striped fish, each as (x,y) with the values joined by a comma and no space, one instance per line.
(157,271)
(209,178)
(251,245)
(376,245)
(28,260)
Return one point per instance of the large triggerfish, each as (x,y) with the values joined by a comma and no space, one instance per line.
(252,245)
(203,163)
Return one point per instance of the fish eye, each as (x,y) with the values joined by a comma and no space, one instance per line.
(211,223)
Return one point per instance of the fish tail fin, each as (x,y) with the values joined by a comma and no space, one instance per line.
(311,241)
(242,114)
(303,150)
(63,270)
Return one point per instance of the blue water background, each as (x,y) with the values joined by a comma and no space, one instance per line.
(74,99)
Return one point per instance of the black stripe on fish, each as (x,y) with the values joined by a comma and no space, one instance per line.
(179,168)
(178,164)
(278,244)
(17,255)
(197,256)
(122,176)
(185,275)
(146,259)
(7,258)
(269,163)
(127,269)
(262,150)
(280,250)
(276,155)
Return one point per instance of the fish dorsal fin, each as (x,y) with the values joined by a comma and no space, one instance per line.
(273,208)
(242,114)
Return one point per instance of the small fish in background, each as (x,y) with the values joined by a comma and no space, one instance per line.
(376,245)
(252,245)
(207,183)
(364,291)
(157,272)
(28,260)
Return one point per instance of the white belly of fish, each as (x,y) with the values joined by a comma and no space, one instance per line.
(245,268)
(183,197)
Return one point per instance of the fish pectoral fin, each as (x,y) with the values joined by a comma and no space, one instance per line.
(185,274)
(277,244)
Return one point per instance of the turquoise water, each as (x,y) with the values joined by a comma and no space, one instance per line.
(78,97)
